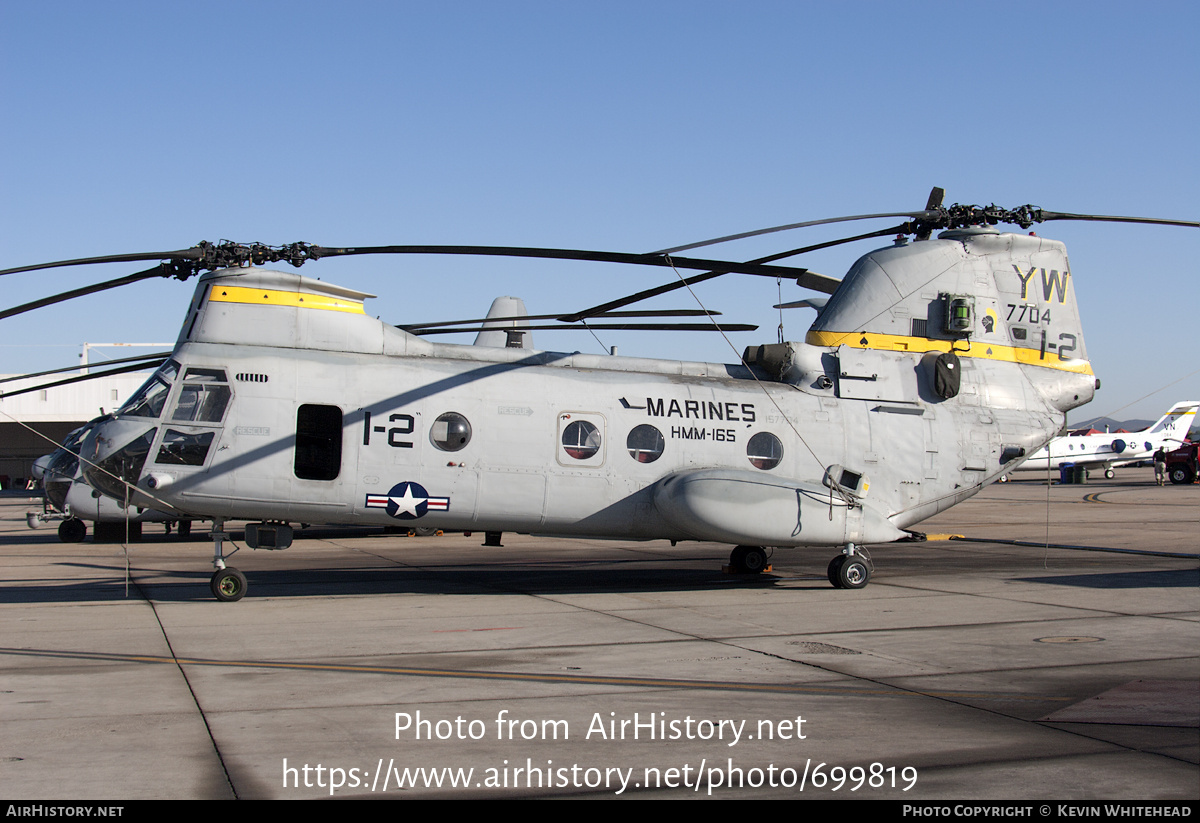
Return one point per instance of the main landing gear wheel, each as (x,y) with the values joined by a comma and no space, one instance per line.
(748,560)
(848,572)
(72,531)
(228,585)
(1109,474)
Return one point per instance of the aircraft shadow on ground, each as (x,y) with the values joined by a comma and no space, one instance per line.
(551,578)
(1162,579)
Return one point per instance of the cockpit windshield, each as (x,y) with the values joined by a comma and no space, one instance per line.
(75,439)
(148,401)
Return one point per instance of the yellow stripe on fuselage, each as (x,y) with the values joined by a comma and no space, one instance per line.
(272,297)
(920,345)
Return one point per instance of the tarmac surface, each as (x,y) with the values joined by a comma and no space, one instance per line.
(361,661)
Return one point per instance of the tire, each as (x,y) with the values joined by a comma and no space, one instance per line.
(228,585)
(754,560)
(1180,474)
(1109,474)
(853,574)
(748,560)
(183,529)
(835,569)
(72,531)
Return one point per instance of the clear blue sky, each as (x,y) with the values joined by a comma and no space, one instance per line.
(136,126)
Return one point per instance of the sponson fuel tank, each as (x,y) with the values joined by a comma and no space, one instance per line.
(754,509)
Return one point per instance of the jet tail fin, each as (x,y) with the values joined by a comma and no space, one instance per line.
(1177,420)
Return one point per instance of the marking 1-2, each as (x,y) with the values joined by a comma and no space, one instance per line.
(408,426)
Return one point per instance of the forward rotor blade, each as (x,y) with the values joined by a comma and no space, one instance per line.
(518,317)
(182,254)
(159,356)
(208,256)
(725,266)
(161,270)
(602,327)
(83,378)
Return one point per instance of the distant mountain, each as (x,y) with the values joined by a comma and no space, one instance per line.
(1100,422)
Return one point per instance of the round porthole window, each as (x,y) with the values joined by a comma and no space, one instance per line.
(764,450)
(645,444)
(581,440)
(450,432)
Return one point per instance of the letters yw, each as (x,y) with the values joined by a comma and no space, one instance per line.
(1054,282)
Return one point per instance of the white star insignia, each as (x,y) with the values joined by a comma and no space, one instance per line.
(408,503)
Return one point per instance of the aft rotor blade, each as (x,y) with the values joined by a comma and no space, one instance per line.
(916,215)
(810,279)
(161,270)
(637,297)
(1104,218)
(159,356)
(83,378)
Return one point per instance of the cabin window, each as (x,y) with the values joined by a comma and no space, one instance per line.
(645,444)
(450,432)
(581,440)
(764,450)
(318,442)
(184,448)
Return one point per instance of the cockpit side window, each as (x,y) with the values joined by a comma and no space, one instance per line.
(203,398)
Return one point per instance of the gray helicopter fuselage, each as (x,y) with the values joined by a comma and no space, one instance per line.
(284,401)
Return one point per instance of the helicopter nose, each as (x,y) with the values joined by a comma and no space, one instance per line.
(113,455)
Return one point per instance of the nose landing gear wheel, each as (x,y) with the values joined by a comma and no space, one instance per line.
(72,531)
(228,585)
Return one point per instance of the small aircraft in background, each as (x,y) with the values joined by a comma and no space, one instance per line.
(1112,450)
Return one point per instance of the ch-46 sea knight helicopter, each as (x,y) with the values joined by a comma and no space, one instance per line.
(932,368)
